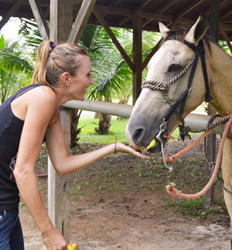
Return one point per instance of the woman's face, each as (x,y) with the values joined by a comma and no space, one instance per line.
(81,81)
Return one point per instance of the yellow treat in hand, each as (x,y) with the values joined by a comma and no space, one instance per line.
(72,246)
(152,144)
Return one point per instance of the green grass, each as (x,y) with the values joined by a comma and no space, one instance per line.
(116,133)
(89,135)
(196,207)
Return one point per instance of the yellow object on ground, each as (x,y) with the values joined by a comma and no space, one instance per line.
(72,246)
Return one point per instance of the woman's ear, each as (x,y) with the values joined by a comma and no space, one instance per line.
(65,78)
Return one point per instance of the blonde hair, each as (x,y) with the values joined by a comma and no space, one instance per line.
(53,60)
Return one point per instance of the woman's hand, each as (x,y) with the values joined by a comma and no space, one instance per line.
(54,240)
(120,147)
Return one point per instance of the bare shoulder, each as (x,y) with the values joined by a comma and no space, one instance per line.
(43,94)
(41,99)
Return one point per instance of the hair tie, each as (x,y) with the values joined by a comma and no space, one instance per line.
(53,45)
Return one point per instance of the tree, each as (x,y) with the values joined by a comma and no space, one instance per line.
(107,62)
(15,68)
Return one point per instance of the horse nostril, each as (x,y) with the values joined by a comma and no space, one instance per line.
(138,135)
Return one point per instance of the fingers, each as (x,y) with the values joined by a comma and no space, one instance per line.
(144,156)
(55,241)
(128,150)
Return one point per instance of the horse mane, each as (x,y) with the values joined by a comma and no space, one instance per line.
(180,32)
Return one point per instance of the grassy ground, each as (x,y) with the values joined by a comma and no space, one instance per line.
(185,177)
(117,131)
(89,135)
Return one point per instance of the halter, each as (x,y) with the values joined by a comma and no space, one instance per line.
(163,86)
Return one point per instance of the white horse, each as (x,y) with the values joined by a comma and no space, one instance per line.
(187,69)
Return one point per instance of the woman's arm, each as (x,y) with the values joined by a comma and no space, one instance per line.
(40,110)
(65,164)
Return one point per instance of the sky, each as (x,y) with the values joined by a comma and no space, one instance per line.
(10,29)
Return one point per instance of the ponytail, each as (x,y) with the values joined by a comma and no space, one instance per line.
(53,60)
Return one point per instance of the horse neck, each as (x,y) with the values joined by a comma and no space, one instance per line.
(220,67)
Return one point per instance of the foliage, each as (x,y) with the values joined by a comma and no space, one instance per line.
(112,75)
(15,68)
(196,207)
(105,62)
(29,30)
(225,47)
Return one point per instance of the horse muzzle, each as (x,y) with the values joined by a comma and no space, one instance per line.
(151,145)
(155,144)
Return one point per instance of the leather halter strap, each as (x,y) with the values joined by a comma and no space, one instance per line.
(199,51)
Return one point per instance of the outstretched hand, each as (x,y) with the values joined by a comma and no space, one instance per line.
(120,147)
(54,240)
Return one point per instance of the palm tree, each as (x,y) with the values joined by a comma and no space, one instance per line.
(107,64)
(15,68)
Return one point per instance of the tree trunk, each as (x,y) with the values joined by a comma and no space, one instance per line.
(74,132)
(104,124)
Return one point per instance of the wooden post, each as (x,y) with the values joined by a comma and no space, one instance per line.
(61,19)
(137,54)
(61,15)
(58,191)
(42,25)
(81,20)
(58,187)
(211,139)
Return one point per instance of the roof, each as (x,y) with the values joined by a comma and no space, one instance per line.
(119,13)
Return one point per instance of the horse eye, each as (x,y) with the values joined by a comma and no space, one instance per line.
(174,68)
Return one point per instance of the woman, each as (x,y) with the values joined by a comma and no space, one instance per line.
(29,118)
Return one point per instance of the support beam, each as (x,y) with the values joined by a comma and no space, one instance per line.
(43,27)
(141,6)
(162,9)
(211,139)
(214,20)
(11,12)
(137,54)
(58,187)
(114,39)
(58,194)
(184,11)
(81,20)
(61,16)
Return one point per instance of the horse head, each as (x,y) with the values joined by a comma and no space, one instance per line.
(175,86)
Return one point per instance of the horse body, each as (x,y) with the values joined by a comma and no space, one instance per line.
(151,108)
(220,80)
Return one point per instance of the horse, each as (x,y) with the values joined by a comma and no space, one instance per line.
(188,69)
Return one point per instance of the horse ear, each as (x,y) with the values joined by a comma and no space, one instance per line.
(163,29)
(197,31)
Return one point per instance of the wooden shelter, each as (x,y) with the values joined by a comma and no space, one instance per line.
(133,14)
(64,20)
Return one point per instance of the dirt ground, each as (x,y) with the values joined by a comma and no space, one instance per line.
(120,202)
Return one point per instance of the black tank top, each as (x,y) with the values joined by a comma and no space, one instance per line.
(10,133)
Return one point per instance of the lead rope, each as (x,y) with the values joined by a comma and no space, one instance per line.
(184,131)
(171,186)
